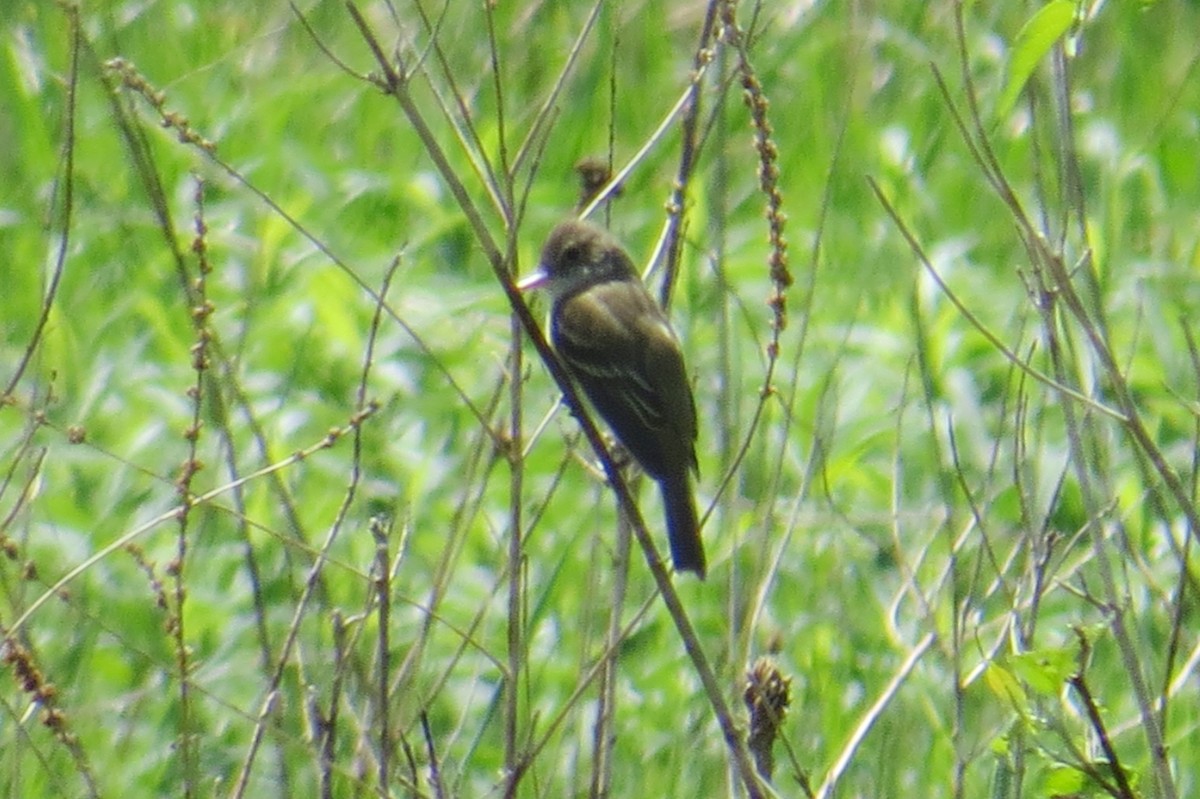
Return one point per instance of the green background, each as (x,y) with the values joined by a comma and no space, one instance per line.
(943,551)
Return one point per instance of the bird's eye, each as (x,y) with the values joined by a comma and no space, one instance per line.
(572,253)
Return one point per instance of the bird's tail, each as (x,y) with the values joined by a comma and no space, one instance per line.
(683,525)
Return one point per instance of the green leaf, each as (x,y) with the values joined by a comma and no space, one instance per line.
(1062,781)
(1005,685)
(1045,670)
(1035,39)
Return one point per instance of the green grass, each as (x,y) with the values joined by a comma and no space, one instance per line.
(962,513)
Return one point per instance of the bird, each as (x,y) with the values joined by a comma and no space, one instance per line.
(618,346)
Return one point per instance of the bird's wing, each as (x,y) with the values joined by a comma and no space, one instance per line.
(622,352)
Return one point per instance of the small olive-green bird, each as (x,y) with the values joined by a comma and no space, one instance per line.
(620,349)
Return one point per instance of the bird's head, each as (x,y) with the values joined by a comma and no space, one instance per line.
(576,256)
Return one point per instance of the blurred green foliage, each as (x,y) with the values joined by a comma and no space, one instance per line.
(905,478)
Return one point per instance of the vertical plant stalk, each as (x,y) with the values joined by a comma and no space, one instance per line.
(200,314)
(435,769)
(768,177)
(327,723)
(516,559)
(689,152)
(603,731)
(383,608)
(604,727)
(381,570)
(1180,599)
(515,627)
(67,184)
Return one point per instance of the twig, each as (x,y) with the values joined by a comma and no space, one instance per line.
(871,716)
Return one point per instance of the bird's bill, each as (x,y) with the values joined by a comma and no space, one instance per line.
(535,280)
